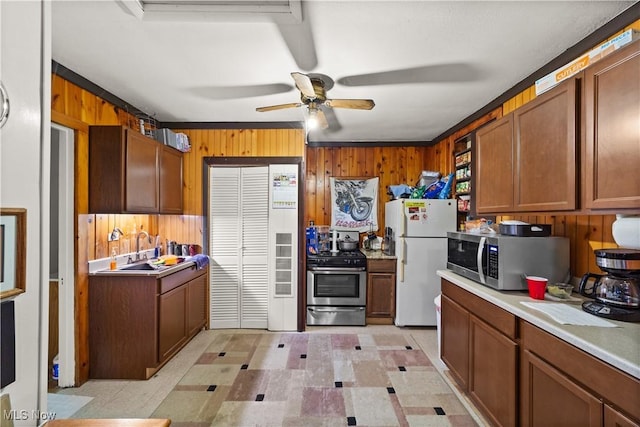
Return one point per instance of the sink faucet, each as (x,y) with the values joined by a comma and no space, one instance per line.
(142,233)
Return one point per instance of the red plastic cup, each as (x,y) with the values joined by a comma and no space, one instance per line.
(537,286)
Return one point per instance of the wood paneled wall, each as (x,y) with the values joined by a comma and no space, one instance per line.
(392,165)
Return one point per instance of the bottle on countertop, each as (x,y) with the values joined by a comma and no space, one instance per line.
(113,264)
(157,249)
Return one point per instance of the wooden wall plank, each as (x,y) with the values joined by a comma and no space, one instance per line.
(57,94)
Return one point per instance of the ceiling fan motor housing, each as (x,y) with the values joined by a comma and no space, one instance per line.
(318,88)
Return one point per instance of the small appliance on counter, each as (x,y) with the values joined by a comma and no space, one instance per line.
(388,242)
(499,261)
(617,293)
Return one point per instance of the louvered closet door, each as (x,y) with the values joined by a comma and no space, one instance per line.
(238,241)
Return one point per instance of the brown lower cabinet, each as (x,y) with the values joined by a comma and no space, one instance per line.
(137,323)
(478,347)
(518,374)
(563,383)
(381,291)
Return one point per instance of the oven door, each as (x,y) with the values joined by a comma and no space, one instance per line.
(336,286)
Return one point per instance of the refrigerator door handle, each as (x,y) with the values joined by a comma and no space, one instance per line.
(403,221)
(481,247)
(402,259)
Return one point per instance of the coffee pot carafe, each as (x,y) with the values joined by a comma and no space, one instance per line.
(617,293)
(610,289)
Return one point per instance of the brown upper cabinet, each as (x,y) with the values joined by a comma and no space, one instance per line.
(494,173)
(611,131)
(526,161)
(170,180)
(132,173)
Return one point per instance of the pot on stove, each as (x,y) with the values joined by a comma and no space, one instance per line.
(348,244)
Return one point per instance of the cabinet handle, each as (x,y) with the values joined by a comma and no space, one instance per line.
(5,105)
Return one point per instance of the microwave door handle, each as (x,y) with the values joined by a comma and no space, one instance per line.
(481,247)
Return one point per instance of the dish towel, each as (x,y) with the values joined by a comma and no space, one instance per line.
(201,260)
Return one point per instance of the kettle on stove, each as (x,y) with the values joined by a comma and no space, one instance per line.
(617,293)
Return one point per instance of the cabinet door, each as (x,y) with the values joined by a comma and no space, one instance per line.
(612,131)
(455,340)
(142,166)
(549,398)
(545,151)
(381,295)
(494,167)
(170,181)
(493,373)
(172,326)
(614,418)
(196,304)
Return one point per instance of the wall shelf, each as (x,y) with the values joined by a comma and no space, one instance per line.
(464,182)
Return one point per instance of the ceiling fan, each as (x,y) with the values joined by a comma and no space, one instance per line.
(313,94)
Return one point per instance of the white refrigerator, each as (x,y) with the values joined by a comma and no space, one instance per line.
(419,228)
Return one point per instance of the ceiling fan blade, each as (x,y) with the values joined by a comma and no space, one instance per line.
(279,107)
(235,92)
(356,104)
(303,83)
(322,119)
(299,39)
(438,73)
(332,119)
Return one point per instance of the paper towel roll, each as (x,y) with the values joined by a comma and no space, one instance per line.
(626,231)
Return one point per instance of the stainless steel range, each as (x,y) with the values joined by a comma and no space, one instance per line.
(336,288)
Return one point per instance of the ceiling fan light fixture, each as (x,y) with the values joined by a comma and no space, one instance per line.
(312,119)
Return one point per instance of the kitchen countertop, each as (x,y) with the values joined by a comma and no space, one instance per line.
(158,273)
(620,346)
(376,254)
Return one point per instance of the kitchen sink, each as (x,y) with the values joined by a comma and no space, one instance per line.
(141,266)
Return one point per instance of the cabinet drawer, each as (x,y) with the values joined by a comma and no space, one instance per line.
(500,319)
(179,278)
(381,266)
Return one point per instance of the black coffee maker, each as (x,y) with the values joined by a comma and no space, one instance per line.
(617,293)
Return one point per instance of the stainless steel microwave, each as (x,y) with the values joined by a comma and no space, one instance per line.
(500,261)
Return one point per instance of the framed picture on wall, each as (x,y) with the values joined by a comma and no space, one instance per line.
(354,204)
(13,251)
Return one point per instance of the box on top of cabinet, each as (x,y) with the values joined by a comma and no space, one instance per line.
(575,66)
(179,141)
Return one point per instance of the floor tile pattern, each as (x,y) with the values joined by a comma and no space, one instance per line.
(300,379)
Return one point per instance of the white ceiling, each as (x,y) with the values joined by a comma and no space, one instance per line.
(213,67)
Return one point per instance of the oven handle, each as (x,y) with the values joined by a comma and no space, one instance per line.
(337,269)
(334,309)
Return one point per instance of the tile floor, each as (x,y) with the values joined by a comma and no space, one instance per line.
(255,373)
